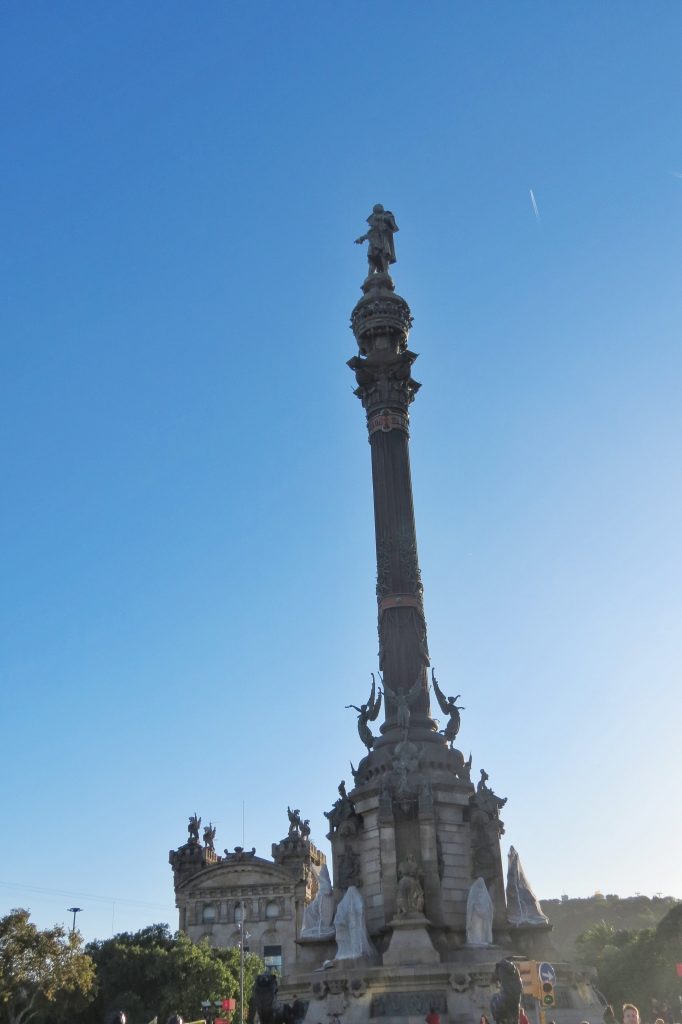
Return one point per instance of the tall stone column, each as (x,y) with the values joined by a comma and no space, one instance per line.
(403,834)
(381,321)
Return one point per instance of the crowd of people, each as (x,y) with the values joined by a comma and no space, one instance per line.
(660,1015)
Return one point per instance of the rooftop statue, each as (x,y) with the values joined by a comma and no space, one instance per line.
(209,836)
(381,248)
(239,853)
(295,822)
(193,828)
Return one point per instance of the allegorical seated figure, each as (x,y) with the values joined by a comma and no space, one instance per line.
(410,893)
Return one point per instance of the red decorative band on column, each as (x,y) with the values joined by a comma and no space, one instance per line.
(387,420)
(399,601)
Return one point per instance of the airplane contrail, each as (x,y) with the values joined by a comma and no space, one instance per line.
(676,174)
(535,205)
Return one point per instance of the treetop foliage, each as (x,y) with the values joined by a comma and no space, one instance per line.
(40,970)
(46,977)
(152,973)
(637,966)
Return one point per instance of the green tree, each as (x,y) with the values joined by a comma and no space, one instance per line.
(41,972)
(151,974)
(638,966)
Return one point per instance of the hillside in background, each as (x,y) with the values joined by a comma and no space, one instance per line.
(572,917)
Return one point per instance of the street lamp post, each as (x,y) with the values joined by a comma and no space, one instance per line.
(74,911)
(243,935)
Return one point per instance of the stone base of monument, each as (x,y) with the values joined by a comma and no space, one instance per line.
(410,942)
(404,993)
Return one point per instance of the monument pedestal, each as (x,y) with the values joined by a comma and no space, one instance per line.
(410,942)
(402,994)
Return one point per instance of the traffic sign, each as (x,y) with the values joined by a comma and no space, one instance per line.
(547,973)
(547,982)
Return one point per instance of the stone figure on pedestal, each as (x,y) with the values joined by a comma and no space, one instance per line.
(352,940)
(381,248)
(488,801)
(522,904)
(317,916)
(348,868)
(479,915)
(343,808)
(410,897)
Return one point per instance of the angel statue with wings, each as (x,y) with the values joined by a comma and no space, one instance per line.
(449,707)
(368,712)
(403,702)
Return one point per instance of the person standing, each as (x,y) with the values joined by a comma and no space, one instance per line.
(630,1014)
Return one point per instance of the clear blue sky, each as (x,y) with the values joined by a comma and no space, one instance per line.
(187,558)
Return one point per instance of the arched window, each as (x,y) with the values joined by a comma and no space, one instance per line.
(238,913)
(208,914)
(272,909)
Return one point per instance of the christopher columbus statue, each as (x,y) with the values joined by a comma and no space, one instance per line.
(381,249)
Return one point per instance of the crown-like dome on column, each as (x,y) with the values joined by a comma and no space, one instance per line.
(381,319)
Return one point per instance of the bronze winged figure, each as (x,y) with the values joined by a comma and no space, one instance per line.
(450,708)
(403,703)
(368,712)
